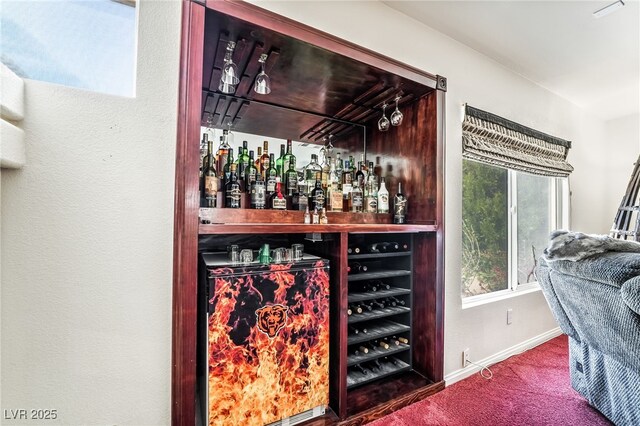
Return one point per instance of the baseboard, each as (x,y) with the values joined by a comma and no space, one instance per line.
(463,373)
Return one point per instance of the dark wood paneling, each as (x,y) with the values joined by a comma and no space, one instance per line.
(378,399)
(338,318)
(407,153)
(185,243)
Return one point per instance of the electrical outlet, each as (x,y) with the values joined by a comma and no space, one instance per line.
(509,316)
(465,357)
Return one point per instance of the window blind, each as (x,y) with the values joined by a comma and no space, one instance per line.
(491,139)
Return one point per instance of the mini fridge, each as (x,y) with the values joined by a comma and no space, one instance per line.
(263,341)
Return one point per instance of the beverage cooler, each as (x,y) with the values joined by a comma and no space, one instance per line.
(263,340)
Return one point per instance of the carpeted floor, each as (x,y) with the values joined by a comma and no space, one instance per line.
(531,389)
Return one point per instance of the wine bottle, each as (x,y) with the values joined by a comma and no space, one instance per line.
(355,308)
(227,167)
(374,248)
(378,304)
(399,206)
(223,151)
(374,366)
(291,177)
(288,157)
(381,285)
(210,177)
(356,268)
(232,190)
(361,369)
(277,201)
(367,306)
(353,250)
(370,286)
(354,330)
(391,342)
(398,301)
(382,344)
(363,349)
(256,162)
(401,339)
(391,360)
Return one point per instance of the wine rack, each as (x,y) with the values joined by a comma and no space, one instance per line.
(379,307)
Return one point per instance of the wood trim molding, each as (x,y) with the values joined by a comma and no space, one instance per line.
(185,242)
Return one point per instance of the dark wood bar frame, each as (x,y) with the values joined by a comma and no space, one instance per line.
(418,156)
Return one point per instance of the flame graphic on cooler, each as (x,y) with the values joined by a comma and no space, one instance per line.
(259,374)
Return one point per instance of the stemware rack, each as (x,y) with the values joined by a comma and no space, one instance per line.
(379,308)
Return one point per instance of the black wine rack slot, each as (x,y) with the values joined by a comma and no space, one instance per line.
(379,307)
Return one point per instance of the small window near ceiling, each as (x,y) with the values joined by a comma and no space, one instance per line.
(88,44)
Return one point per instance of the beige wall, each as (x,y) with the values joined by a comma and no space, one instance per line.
(87,223)
(87,237)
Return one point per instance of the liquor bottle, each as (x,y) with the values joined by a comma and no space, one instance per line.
(356,200)
(299,201)
(223,150)
(265,159)
(280,163)
(399,206)
(363,349)
(335,189)
(232,190)
(307,216)
(353,250)
(371,197)
(227,167)
(361,369)
(324,220)
(326,167)
(347,186)
(355,268)
(360,176)
(313,171)
(203,151)
(317,195)
(288,157)
(315,217)
(270,175)
(372,176)
(250,172)
(277,201)
(383,198)
(243,160)
(256,162)
(339,166)
(291,177)
(258,193)
(210,177)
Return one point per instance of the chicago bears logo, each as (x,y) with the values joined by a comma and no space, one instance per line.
(271,319)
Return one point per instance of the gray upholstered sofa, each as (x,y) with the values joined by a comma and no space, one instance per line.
(596,301)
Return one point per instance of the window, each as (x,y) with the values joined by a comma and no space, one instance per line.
(507,216)
(86,44)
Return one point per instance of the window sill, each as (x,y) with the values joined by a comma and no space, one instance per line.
(483,299)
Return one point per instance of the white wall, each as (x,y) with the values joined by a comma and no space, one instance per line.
(485,84)
(87,237)
(87,223)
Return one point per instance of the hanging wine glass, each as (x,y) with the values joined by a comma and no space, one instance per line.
(396,117)
(229,69)
(384,123)
(262,85)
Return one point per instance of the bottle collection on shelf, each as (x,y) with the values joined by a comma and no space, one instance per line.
(270,183)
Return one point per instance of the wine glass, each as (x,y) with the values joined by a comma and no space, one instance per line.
(383,123)
(229,69)
(396,117)
(262,85)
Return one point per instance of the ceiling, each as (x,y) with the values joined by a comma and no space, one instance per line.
(594,63)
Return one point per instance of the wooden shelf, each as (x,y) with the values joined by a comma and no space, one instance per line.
(300,228)
(380,294)
(374,256)
(356,378)
(377,331)
(378,313)
(376,353)
(378,275)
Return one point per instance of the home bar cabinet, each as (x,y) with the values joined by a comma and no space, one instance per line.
(320,86)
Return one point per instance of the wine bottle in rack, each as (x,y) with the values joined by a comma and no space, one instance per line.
(374,366)
(389,247)
(378,304)
(397,301)
(370,286)
(368,306)
(355,309)
(389,303)
(353,250)
(363,349)
(356,268)
(373,248)
(391,342)
(361,369)
(391,360)
(401,340)
(382,344)
(355,330)
(380,285)
(349,311)
(377,363)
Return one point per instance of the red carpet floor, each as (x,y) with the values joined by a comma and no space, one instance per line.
(532,388)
